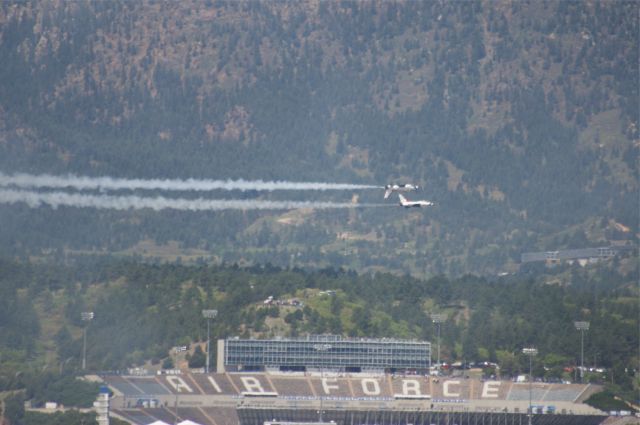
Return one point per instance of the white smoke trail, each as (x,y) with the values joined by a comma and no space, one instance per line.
(57,199)
(22,180)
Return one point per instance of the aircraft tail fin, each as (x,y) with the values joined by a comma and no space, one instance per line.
(387,193)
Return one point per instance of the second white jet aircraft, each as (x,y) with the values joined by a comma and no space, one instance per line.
(408,204)
(398,188)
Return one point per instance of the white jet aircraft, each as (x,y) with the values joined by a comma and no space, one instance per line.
(399,188)
(404,202)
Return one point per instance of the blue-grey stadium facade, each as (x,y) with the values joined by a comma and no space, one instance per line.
(324,352)
(575,254)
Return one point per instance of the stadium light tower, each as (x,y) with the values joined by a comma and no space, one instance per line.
(176,350)
(581,326)
(438,319)
(209,314)
(86,316)
(530,351)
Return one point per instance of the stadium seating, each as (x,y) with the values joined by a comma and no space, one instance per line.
(291,386)
(365,387)
(459,388)
(220,379)
(162,414)
(410,385)
(222,415)
(124,386)
(148,386)
(521,392)
(564,392)
(197,415)
(244,382)
(258,394)
(237,384)
(331,386)
(146,416)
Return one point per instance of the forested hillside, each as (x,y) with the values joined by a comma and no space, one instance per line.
(141,311)
(519,119)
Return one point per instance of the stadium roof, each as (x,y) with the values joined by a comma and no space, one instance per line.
(326,338)
(572,254)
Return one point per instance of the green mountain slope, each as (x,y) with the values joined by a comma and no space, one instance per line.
(519,119)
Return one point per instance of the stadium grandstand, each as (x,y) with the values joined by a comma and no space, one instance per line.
(586,254)
(251,399)
(342,395)
(329,352)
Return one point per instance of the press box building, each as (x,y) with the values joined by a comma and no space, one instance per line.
(328,352)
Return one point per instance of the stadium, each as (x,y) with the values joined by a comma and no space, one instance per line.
(327,352)
(363,385)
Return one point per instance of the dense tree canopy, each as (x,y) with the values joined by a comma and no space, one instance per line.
(142,310)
